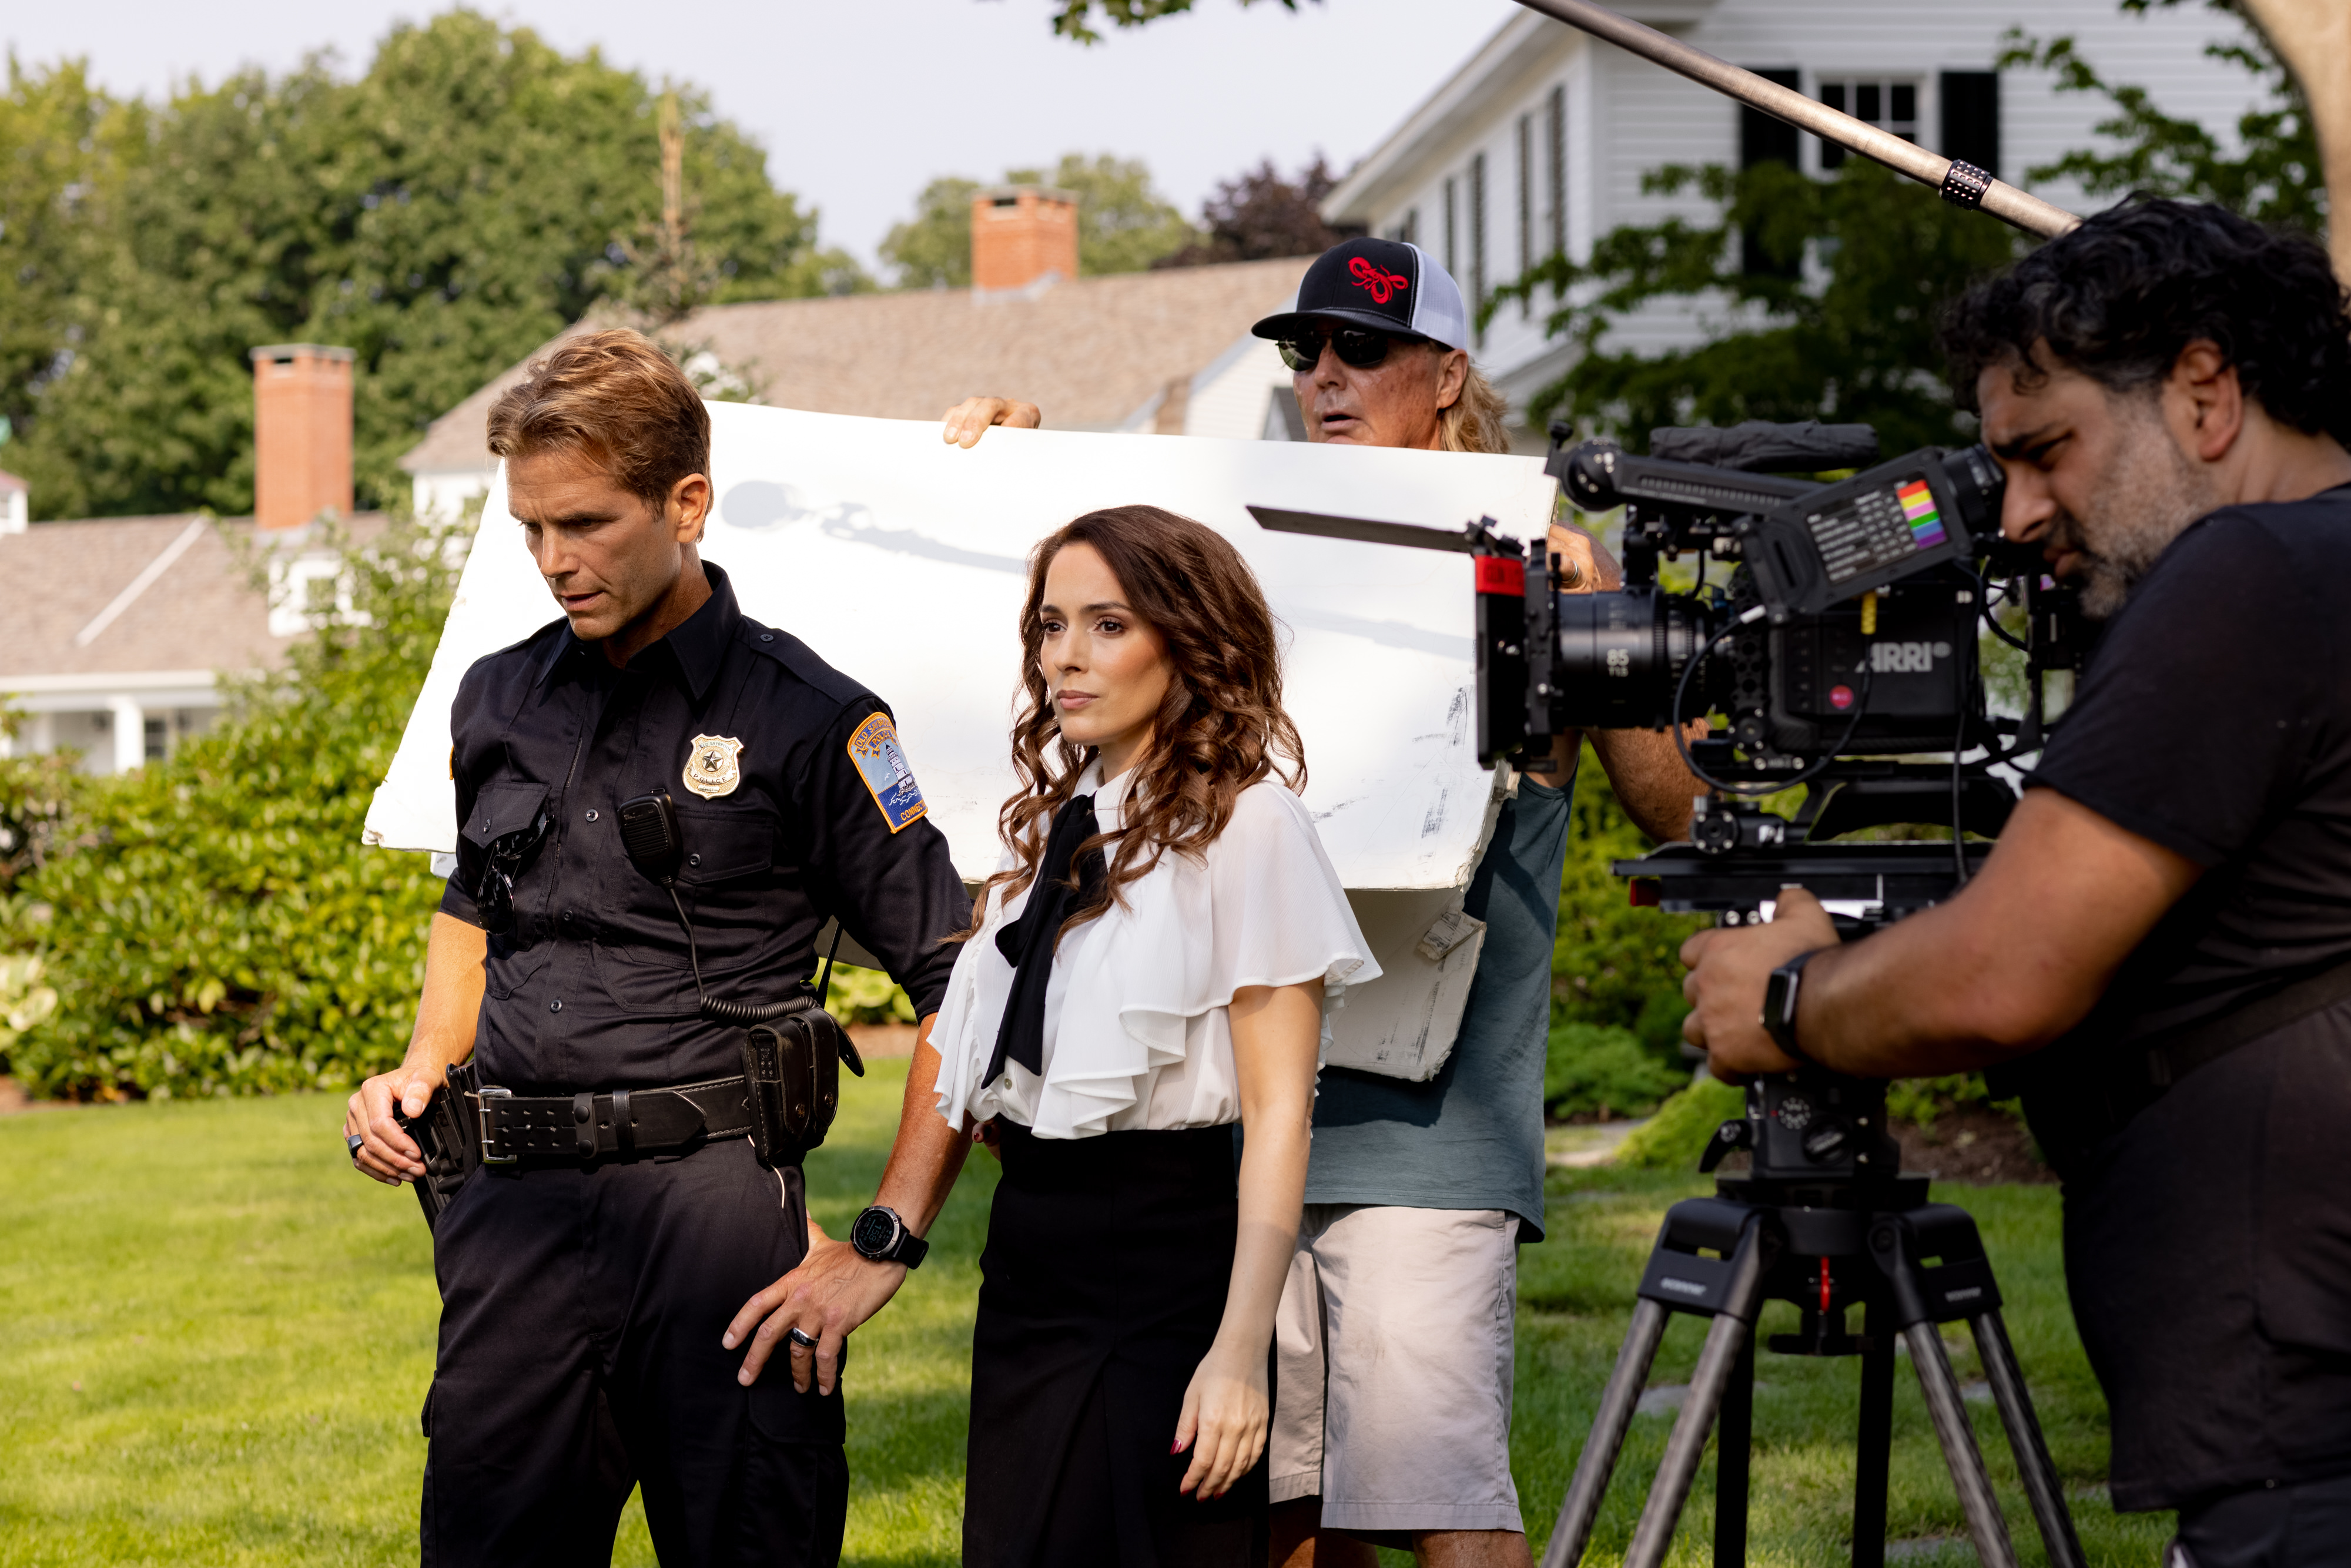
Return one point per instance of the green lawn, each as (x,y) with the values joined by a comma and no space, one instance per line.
(214,1338)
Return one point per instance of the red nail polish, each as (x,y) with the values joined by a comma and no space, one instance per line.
(1176,1448)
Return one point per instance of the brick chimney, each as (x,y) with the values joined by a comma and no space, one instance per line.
(1022,236)
(301,433)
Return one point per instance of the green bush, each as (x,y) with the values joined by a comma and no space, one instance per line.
(1614,965)
(868,995)
(217,926)
(1677,1135)
(1595,1072)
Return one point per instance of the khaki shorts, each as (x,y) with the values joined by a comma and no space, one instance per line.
(1392,1394)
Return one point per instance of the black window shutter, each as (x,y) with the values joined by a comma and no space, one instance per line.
(1971,119)
(1763,139)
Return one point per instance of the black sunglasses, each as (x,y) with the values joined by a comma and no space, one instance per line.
(494,899)
(1355,346)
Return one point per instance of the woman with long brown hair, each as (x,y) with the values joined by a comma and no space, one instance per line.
(1153,962)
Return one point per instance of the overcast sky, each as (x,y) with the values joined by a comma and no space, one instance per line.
(858,102)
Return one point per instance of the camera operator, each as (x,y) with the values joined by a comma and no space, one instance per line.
(2157,954)
(1394,1340)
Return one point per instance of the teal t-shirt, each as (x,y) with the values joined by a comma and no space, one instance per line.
(1471,1137)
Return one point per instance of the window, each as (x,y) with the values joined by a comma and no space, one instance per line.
(1765,140)
(1890,103)
(1477,236)
(1407,229)
(1971,119)
(1526,207)
(1555,111)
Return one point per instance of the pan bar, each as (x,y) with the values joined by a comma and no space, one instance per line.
(2004,202)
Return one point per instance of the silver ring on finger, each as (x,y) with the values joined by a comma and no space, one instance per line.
(800,1336)
(352,1140)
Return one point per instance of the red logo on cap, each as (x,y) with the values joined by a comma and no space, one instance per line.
(1384,285)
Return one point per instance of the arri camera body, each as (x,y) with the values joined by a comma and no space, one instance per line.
(1842,638)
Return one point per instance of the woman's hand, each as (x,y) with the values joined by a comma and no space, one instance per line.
(1226,1412)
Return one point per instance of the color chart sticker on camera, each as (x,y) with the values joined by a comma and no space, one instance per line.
(881,762)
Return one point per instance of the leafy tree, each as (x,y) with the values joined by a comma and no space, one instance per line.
(1261,215)
(1839,325)
(1125,224)
(2273,174)
(1075,19)
(219,927)
(933,249)
(443,215)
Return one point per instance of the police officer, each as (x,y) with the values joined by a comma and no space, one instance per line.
(587,1275)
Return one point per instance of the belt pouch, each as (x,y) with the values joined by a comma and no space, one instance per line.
(791,1069)
(445,1136)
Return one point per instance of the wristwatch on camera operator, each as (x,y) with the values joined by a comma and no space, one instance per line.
(1780,1005)
(881,1237)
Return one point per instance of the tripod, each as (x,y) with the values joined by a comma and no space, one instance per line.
(1826,1246)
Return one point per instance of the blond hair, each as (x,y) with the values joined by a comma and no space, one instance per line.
(1473,422)
(616,397)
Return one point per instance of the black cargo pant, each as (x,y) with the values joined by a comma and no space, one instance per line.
(580,1312)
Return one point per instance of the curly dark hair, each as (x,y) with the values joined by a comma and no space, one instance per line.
(2120,299)
(1221,729)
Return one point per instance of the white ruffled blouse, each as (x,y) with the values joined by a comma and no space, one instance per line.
(1137,1013)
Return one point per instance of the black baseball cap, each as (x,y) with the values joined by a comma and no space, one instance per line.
(1388,285)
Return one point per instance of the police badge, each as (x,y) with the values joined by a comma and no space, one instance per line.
(711,768)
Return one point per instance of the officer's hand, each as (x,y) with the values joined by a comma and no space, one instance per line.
(834,1290)
(1728,968)
(387,1153)
(970,419)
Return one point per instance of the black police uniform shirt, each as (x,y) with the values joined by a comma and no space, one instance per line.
(2209,1240)
(793,802)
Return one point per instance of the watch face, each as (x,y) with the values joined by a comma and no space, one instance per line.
(874,1232)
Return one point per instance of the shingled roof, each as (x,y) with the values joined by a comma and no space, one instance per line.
(111,596)
(1095,354)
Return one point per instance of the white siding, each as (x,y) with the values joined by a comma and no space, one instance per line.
(1626,117)
(1229,398)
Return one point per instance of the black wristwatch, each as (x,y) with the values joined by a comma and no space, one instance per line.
(881,1237)
(1780,1004)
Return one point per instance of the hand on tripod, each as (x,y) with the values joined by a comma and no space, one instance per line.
(1729,969)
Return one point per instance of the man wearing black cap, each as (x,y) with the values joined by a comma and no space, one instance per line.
(1393,1394)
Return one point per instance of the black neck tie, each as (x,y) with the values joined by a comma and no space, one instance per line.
(1028,942)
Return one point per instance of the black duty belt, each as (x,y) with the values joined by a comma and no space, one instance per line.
(584,1126)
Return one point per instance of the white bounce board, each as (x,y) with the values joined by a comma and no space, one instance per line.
(900,561)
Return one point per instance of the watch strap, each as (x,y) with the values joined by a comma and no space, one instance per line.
(1780,994)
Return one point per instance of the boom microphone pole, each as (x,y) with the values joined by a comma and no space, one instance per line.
(1961,185)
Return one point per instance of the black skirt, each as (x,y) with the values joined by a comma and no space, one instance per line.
(1103,1282)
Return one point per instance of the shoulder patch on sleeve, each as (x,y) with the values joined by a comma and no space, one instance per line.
(881,763)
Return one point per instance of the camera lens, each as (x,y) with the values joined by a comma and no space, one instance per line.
(1977,483)
(1620,656)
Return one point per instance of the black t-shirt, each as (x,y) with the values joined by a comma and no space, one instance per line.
(2215,719)
(2209,1240)
(794,805)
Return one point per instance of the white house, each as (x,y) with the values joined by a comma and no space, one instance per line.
(1538,143)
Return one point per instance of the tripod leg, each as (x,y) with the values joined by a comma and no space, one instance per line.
(1572,1532)
(1873,1446)
(2033,1461)
(1985,1525)
(1729,1336)
(1732,1430)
